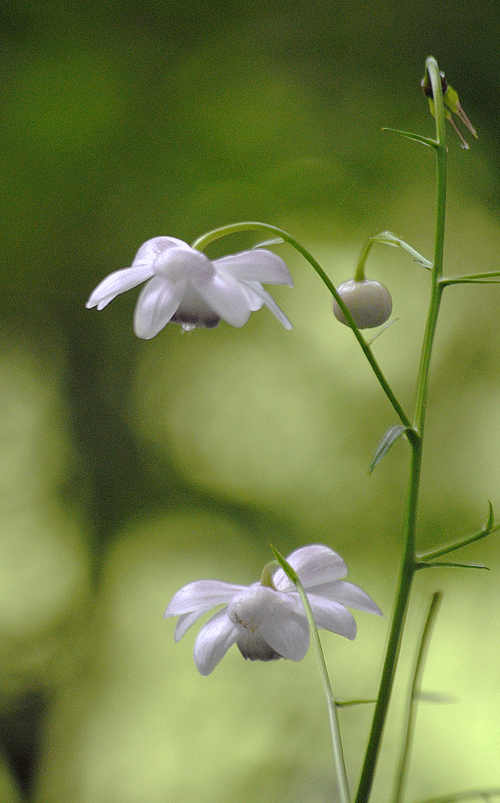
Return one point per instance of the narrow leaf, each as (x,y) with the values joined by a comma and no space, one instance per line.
(488,529)
(382,329)
(390,437)
(491,518)
(431,143)
(267,243)
(391,239)
(438,564)
(289,570)
(347,703)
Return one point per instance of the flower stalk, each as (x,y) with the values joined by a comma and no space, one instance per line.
(233,228)
(409,560)
(338,753)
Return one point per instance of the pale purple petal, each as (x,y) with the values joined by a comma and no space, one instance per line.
(278,618)
(195,599)
(348,594)
(186,620)
(228,298)
(259,265)
(157,302)
(268,300)
(118,282)
(202,595)
(213,641)
(315,564)
(332,616)
(287,633)
(149,250)
(254,299)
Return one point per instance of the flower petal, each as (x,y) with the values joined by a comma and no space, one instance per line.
(278,618)
(287,633)
(118,282)
(348,594)
(228,298)
(186,620)
(201,595)
(332,616)
(149,250)
(258,265)
(195,599)
(270,303)
(213,641)
(315,564)
(157,302)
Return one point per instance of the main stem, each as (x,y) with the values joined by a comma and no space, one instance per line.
(408,560)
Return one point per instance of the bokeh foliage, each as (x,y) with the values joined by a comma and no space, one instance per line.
(130,468)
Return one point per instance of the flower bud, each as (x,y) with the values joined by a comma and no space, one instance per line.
(369,303)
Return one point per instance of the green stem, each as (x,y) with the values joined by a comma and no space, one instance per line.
(338,753)
(471,539)
(491,277)
(408,560)
(411,713)
(360,269)
(202,242)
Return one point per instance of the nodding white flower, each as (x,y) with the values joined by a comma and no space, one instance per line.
(184,286)
(267,620)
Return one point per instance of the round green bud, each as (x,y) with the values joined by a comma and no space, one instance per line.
(369,303)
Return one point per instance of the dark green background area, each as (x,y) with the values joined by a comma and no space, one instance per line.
(128,468)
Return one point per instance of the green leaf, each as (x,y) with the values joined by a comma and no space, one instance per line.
(390,437)
(382,329)
(289,570)
(475,278)
(267,243)
(391,239)
(488,529)
(438,564)
(347,703)
(491,518)
(431,143)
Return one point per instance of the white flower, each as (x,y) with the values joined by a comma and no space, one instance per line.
(186,287)
(267,620)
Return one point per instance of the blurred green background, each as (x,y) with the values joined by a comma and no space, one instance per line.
(129,468)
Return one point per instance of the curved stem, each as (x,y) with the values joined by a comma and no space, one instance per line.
(202,242)
(360,269)
(408,560)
